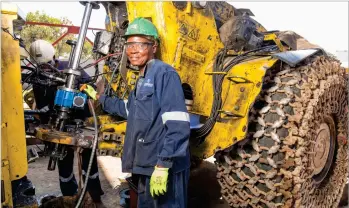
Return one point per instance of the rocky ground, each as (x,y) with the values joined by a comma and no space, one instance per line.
(204,191)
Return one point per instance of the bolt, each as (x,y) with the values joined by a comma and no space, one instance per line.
(235,139)
(242,89)
(133,76)
(244,128)
(236,108)
(217,149)
(132,82)
(320,146)
(258,84)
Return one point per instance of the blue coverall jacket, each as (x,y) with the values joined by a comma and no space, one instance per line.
(158,126)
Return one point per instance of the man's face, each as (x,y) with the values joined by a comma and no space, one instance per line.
(139,50)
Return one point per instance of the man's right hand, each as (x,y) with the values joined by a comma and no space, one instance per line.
(89,90)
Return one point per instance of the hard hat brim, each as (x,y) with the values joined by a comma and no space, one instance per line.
(142,35)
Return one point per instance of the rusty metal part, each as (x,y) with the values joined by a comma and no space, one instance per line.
(331,99)
(111,144)
(295,41)
(324,148)
(274,169)
(67,202)
(108,136)
(321,148)
(81,139)
(344,200)
(123,68)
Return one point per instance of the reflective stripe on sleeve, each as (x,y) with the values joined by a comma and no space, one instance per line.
(126,101)
(175,116)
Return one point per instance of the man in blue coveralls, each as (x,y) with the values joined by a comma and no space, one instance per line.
(156,147)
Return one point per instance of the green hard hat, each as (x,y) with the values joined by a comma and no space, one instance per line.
(142,26)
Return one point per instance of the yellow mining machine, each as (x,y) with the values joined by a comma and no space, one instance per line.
(13,144)
(268,105)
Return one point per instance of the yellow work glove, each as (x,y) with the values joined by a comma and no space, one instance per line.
(90,91)
(158,181)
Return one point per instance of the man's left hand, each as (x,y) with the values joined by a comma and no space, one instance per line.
(158,181)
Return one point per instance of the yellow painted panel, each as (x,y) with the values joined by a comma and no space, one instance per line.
(189,42)
(233,129)
(12,115)
(107,145)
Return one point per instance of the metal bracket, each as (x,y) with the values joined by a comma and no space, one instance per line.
(123,69)
(238,79)
(230,114)
(292,58)
(71,71)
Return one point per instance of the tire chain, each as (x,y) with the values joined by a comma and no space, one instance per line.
(287,182)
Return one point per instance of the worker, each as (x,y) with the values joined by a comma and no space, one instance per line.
(65,167)
(43,52)
(156,146)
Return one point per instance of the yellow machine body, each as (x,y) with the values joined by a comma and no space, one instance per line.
(13,145)
(189,41)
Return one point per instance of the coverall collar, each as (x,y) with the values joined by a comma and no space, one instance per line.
(148,65)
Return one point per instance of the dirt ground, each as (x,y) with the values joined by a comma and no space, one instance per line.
(204,191)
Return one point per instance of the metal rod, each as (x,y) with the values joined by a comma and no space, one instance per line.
(71,55)
(70,81)
(50,76)
(52,164)
(59,25)
(53,160)
(82,35)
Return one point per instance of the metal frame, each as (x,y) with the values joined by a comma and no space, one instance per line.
(71,30)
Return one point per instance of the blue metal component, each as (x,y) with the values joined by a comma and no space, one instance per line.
(70,99)
(79,100)
(64,98)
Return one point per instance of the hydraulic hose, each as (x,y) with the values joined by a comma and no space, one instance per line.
(94,146)
(106,90)
(220,66)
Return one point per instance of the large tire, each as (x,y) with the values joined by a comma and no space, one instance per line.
(280,163)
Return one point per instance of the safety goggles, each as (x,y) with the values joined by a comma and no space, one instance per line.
(138,45)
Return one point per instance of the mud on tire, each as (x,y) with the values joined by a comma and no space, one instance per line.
(291,159)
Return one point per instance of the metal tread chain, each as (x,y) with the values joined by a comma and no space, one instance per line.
(273,169)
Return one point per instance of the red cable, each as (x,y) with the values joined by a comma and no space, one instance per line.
(100,59)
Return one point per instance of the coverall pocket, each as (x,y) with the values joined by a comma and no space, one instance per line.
(146,155)
(144,106)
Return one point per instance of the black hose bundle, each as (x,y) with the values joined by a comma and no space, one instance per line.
(220,66)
